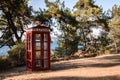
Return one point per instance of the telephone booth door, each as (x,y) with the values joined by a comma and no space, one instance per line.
(42,51)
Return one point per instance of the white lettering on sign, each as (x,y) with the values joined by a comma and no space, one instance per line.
(42,30)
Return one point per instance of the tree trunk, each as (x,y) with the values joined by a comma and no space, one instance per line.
(12,26)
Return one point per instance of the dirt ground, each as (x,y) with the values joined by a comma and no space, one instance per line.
(104,67)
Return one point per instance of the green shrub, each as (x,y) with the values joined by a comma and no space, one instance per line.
(4,63)
(17,54)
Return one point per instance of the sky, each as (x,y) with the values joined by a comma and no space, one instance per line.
(106,4)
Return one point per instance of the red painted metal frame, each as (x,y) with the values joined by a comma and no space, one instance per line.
(30,48)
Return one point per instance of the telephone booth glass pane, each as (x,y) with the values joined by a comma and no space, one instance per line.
(38,45)
(45,54)
(38,63)
(45,37)
(45,63)
(38,54)
(38,37)
(45,46)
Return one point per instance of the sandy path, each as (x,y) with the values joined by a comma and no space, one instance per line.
(105,67)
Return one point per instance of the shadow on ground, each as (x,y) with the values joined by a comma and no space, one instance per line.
(83,78)
(65,66)
(113,57)
(114,60)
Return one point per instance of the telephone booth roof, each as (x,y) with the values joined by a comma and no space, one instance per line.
(39,28)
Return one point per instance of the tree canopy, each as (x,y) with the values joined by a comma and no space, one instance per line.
(74,25)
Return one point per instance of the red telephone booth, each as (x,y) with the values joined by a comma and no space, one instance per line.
(38,48)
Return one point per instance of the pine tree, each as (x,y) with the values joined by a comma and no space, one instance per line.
(14,17)
(115,26)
